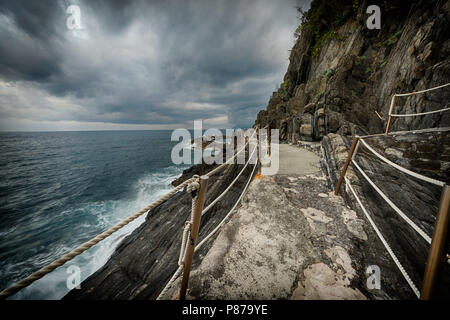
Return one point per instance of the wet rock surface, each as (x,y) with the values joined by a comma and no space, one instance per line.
(422,152)
(292,239)
(338,77)
(146,259)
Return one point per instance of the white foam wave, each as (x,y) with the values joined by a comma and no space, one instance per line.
(105,214)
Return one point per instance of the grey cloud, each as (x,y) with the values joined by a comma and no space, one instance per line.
(144,62)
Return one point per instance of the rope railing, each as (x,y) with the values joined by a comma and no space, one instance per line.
(85,246)
(385,243)
(192,185)
(215,170)
(394,97)
(177,273)
(392,205)
(229,186)
(419,114)
(437,252)
(182,261)
(411,173)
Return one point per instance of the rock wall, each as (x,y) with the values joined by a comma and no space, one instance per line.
(427,153)
(146,259)
(341,72)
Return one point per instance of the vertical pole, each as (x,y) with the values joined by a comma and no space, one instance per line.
(347,162)
(269,141)
(258,151)
(235,140)
(202,167)
(197,214)
(438,249)
(391,109)
(247,148)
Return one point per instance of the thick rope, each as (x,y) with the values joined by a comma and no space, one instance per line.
(421,91)
(386,245)
(419,114)
(411,173)
(212,172)
(180,268)
(85,246)
(393,133)
(191,188)
(229,187)
(229,213)
(186,232)
(393,206)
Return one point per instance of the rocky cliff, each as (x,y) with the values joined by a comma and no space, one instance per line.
(145,260)
(341,72)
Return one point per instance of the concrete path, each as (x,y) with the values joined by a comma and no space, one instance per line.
(290,239)
(298,161)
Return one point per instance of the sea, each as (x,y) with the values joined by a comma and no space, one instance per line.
(60,189)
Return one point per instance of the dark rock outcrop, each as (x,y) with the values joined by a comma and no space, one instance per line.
(341,72)
(426,153)
(146,259)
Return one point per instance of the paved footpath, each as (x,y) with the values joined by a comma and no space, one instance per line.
(290,239)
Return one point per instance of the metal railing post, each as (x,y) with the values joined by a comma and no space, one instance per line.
(269,141)
(438,249)
(197,214)
(347,162)
(391,108)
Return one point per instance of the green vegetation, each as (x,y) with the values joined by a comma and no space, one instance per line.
(320,94)
(359,60)
(322,19)
(393,39)
(320,39)
(328,73)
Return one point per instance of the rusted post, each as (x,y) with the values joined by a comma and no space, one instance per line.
(438,249)
(347,162)
(202,167)
(258,151)
(197,214)
(269,141)
(235,141)
(391,109)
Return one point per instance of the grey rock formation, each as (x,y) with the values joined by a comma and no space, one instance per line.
(146,259)
(338,77)
(426,153)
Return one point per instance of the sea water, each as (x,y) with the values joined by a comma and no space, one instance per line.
(60,189)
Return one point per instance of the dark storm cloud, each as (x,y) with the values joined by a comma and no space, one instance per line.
(144,62)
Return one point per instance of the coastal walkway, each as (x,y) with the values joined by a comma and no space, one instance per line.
(277,247)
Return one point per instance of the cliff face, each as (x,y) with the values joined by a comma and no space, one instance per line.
(341,72)
(146,259)
(427,153)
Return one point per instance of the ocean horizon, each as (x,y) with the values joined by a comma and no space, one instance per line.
(59,189)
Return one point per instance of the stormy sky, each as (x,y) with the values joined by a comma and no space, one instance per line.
(141,64)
